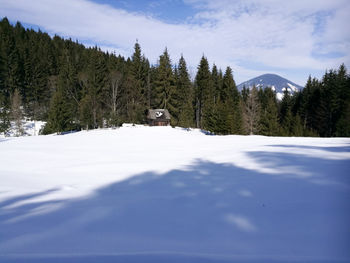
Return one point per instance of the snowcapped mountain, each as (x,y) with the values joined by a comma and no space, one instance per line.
(276,82)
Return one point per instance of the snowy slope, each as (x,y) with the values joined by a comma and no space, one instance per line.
(159,194)
(276,82)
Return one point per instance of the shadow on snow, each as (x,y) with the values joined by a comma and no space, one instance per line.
(207,212)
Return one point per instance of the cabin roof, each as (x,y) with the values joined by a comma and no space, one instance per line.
(158,114)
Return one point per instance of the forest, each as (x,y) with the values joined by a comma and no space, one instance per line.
(73,87)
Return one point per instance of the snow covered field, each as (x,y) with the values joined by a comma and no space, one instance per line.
(162,194)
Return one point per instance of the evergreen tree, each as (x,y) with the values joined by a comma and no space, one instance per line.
(269,124)
(4,113)
(96,85)
(217,83)
(342,115)
(286,117)
(217,114)
(2,72)
(136,87)
(331,102)
(230,96)
(245,94)
(204,96)
(297,128)
(36,80)
(13,68)
(4,116)
(311,108)
(63,113)
(164,85)
(184,96)
(343,124)
(86,115)
(60,117)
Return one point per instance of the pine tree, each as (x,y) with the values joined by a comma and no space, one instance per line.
(136,88)
(85,112)
(152,92)
(13,68)
(331,102)
(297,128)
(312,108)
(36,79)
(2,71)
(164,85)
(204,96)
(230,96)
(96,86)
(269,123)
(4,113)
(60,116)
(342,115)
(4,117)
(286,117)
(224,103)
(63,112)
(217,83)
(343,124)
(304,110)
(184,96)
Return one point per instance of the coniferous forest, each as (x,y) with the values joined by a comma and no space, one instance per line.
(72,87)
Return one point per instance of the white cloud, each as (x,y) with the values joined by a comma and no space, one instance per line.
(279,36)
(245,193)
(241,222)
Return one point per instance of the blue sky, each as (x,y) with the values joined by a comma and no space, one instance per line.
(291,38)
(168,11)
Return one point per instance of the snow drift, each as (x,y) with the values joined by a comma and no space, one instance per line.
(162,194)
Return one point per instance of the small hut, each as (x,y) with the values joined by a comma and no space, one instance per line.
(158,117)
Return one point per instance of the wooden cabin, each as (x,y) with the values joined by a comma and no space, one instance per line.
(158,117)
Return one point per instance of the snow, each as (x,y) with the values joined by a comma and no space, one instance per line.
(292,87)
(30,127)
(159,114)
(162,194)
(279,95)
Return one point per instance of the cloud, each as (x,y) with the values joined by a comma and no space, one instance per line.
(242,223)
(293,38)
(245,193)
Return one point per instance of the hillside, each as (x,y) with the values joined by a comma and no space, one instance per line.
(162,194)
(276,82)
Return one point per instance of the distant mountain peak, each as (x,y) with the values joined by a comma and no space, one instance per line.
(274,81)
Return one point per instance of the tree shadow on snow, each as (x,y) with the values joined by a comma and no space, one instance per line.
(206,212)
(322,148)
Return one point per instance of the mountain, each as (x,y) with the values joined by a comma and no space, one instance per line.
(276,82)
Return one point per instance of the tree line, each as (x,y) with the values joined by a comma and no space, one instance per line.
(73,87)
